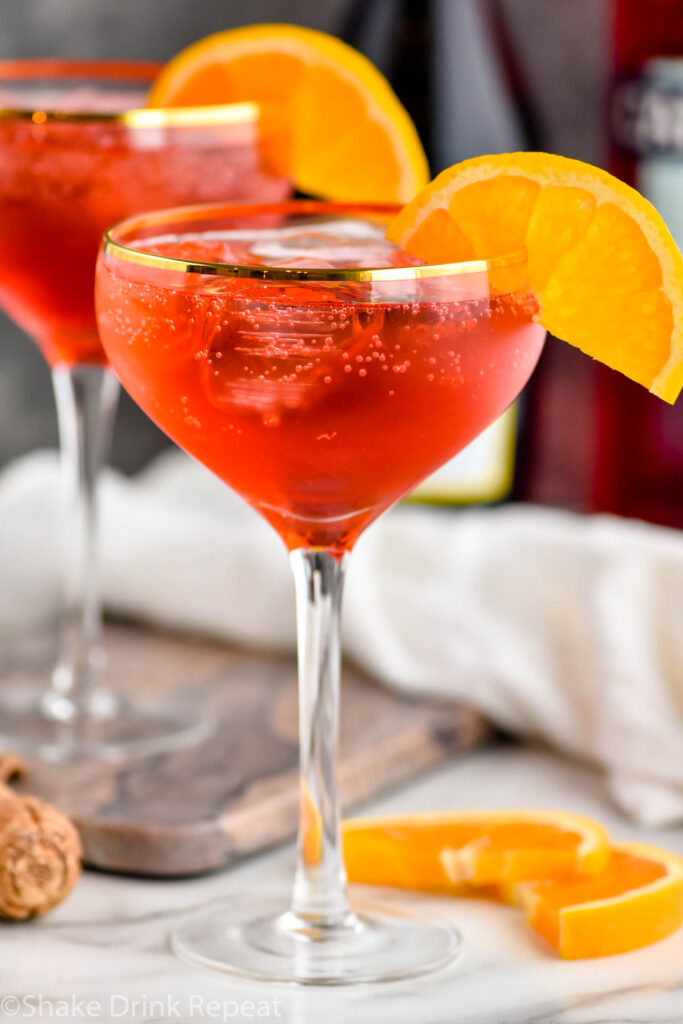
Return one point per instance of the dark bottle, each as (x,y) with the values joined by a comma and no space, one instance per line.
(453,67)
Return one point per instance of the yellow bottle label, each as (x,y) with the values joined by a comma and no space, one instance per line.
(482,472)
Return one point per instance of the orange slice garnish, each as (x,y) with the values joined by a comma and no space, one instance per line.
(443,852)
(636,900)
(347,135)
(602,263)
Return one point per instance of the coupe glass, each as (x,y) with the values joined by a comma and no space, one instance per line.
(78,151)
(322,396)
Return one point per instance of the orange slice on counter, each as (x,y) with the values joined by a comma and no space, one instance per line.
(635,901)
(347,135)
(605,270)
(448,851)
(311,828)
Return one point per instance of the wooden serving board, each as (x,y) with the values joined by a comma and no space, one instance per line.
(236,792)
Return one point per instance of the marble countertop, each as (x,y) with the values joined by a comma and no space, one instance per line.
(104,954)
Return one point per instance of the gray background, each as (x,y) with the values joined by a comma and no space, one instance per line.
(560,44)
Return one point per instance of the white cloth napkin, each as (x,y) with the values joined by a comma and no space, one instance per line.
(560,627)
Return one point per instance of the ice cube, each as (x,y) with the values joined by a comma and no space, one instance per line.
(342,243)
(303,263)
(321,246)
(78,99)
(270,356)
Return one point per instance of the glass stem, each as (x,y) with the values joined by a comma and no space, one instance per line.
(319,897)
(86,398)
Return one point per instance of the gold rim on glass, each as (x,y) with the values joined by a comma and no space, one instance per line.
(188,214)
(32,71)
(145,117)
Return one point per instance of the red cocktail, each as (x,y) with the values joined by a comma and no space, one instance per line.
(321,373)
(321,401)
(79,151)
(75,158)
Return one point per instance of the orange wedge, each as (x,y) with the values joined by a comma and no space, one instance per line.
(606,271)
(636,900)
(348,136)
(444,852)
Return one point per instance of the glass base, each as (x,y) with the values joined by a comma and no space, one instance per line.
(41,724)
(256,939)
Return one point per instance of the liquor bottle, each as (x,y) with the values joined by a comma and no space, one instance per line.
(453,68)
(640,467)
